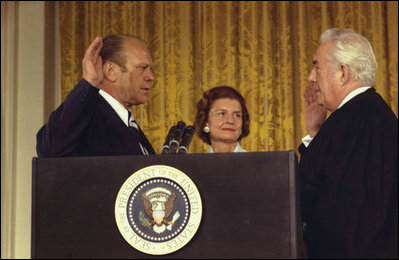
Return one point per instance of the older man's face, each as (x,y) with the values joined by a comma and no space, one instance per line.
(133,85)
(324,78)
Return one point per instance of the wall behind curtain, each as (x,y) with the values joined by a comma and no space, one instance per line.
(263,49)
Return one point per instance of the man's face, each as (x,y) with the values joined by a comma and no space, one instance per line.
(134,83)
(324,78)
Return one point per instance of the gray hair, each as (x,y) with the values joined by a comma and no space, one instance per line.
(354,50)
(113,49)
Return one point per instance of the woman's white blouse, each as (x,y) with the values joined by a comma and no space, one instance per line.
(238,149)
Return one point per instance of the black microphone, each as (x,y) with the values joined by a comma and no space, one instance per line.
(165,147)
(175,142)
(186,139)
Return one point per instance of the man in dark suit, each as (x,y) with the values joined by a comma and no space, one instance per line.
(348,169)
(95,118)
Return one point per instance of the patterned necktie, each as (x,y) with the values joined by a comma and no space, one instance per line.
(133,124)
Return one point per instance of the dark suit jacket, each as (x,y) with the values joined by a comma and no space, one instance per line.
(86,125)
(349,182)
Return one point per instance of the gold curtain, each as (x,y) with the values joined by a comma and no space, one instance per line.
(263,49)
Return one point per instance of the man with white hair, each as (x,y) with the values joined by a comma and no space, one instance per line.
(348,169)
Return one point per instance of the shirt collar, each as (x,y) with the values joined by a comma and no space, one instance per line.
(352,94)
(236,150)
(119,109)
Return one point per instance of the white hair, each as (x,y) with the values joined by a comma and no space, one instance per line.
(354,50)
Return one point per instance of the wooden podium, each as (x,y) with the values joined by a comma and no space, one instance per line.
(250,205)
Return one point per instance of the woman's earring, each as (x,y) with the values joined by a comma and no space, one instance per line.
(206,129)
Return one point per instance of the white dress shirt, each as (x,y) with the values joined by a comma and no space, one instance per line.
(123,113)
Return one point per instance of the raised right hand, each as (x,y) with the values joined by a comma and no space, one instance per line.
(92,63)
(315,114)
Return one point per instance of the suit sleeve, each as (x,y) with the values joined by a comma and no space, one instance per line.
(60,136)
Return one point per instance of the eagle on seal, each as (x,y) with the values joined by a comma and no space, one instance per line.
(158,205)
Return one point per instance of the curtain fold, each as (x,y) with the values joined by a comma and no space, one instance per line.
(263,49)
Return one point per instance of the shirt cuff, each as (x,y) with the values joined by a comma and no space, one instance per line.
(306,140)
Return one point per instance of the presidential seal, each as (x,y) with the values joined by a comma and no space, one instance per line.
(158,210)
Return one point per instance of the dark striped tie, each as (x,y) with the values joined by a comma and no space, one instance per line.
(133,125)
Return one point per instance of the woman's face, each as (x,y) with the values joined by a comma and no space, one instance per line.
(225,120)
